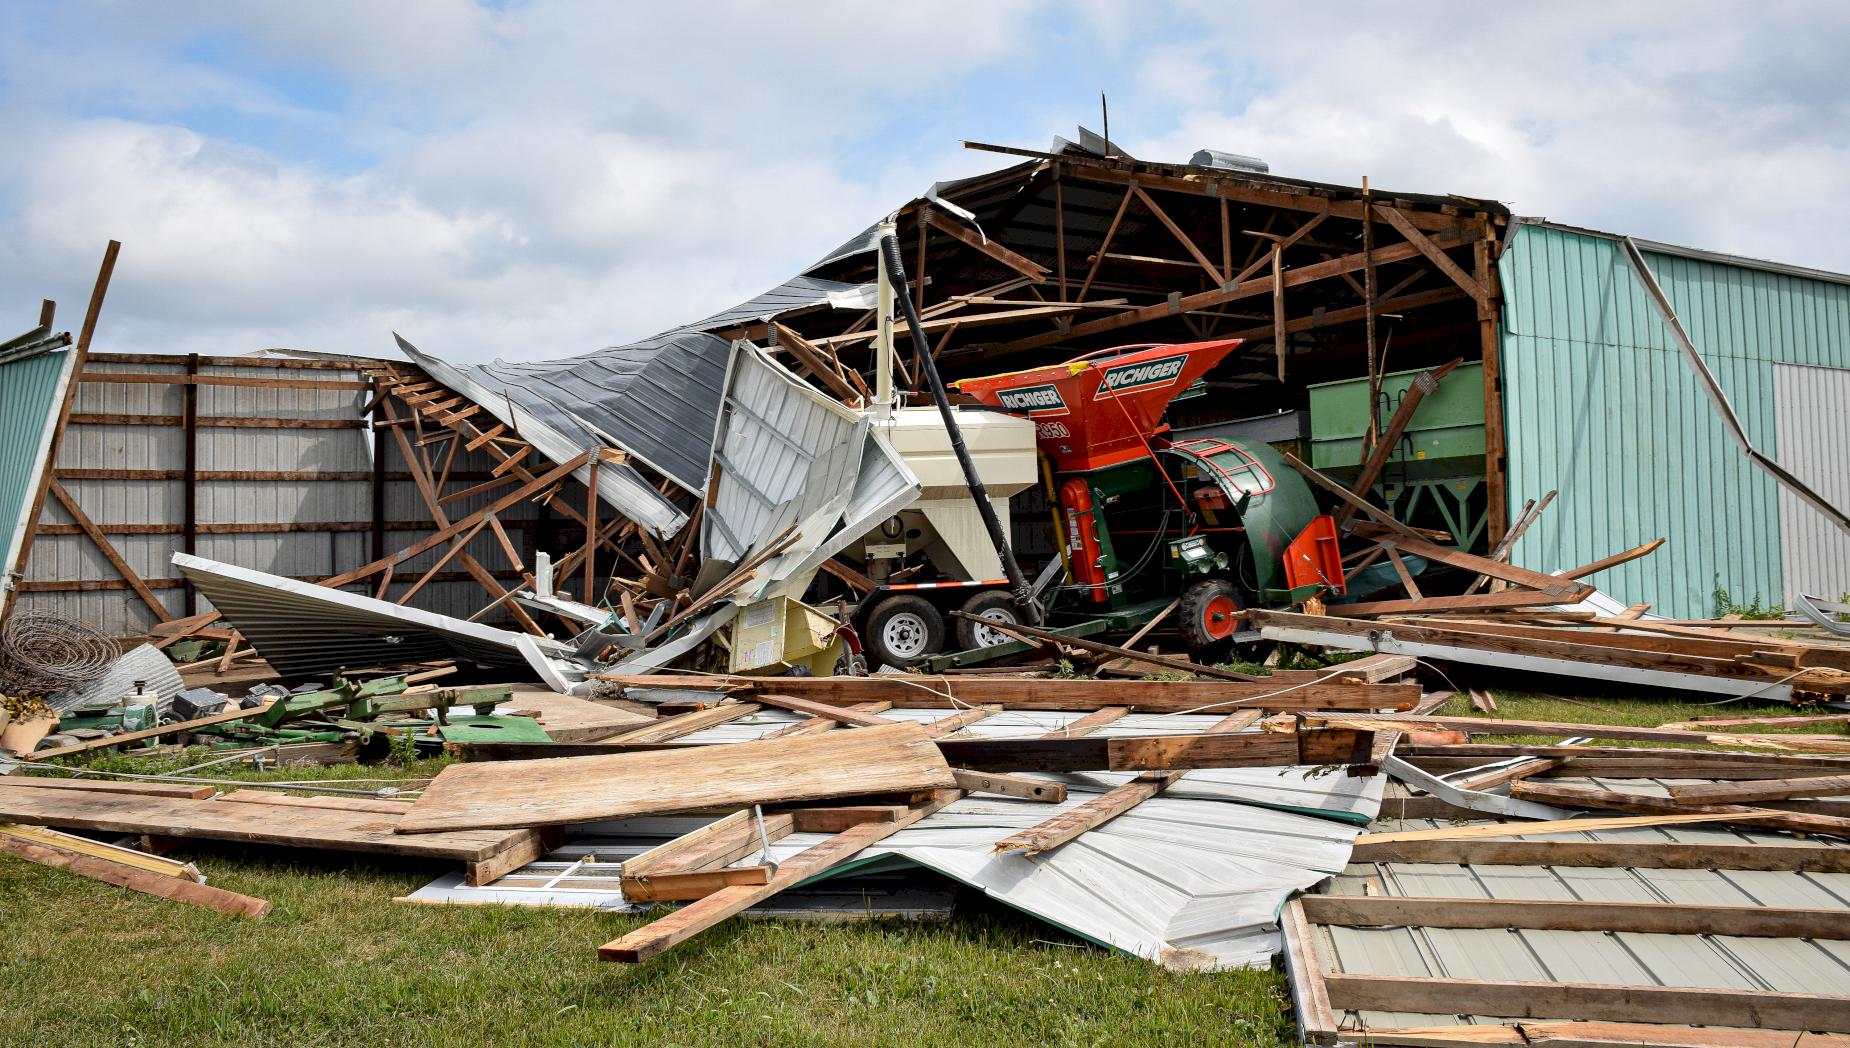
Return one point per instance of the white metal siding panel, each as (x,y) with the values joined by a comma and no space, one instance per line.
(1811,405)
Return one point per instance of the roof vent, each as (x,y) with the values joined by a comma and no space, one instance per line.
(1229,161)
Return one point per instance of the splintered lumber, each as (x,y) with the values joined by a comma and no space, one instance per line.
(1613,855)
(687,723)
(1033,634)
(1282,692)
(141,789)
(817,725)
(1579,915)
(1531,829)
(1500,726)
(179,889)
(1710,1006)
(147,733)
(564,790)
(304,827)
(1207,749)
(1048,835)
(1766,790)
(141,860)
(1018,786)
(657,937)
(1610,800)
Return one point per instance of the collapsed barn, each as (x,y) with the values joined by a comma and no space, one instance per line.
(1056,441)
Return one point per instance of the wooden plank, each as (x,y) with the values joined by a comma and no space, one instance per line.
(817,725)
(1580,915)
(683,885)
(1422,385)
(1151,752)
(1033,634)
(1026,267)
(140,860)
(656,938)
(561,791)
(1762,759)
(103,545)
(1659,855)
(1625,1003)
(812,708)
(142,789)
(1612,800)
(1305,972)
(1613,561)
(718,843)
(1530,829)
(157,732)
(1017,786)
(956,722)
(1396,218)
(1507,726)
(1058,830)
(307,827)
(688,723)
(1769,790)
(138,379)
(1030,693)
(178,889)
(530,848)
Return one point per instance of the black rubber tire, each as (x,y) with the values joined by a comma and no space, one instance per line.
(923,617)
(1206,631)
(986,604)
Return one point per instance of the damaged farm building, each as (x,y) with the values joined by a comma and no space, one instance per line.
(1134,544)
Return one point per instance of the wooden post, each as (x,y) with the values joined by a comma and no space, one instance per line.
(82,353)
(591,531)
(48,312)
(1280,336)
(1496,457)
(189,527)
(1059,229)
(1368,296)
(378,486)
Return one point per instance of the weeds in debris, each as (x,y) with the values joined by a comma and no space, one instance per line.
(1725,605)
(1065,670)
(404,748)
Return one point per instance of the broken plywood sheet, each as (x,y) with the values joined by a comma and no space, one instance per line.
(302,825)
(561,791)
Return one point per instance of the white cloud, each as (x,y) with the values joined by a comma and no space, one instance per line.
(540,179)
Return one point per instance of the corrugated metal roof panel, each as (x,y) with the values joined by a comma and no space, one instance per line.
(308,631)
(1599,405)
(1811,404)
(32,386)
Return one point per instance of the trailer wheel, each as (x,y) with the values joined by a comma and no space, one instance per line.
(903,629)
(1209,615)
(994,605)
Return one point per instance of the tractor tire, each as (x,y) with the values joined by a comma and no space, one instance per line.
(994,605)
(1209,617)
(902,629)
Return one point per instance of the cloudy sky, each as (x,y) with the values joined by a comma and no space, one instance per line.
(542,177)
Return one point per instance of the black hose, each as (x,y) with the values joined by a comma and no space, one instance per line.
(1018,584)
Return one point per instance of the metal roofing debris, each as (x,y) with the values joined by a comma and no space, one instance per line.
(307,631)
(1191,879)
(556,432)
(34,374)
(785,455)
(144,663)
(799,292)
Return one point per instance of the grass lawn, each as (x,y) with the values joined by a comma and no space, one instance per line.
(338,962)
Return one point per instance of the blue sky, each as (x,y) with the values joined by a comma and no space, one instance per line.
(541,177)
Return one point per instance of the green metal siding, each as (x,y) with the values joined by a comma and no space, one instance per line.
(30,390)
(1599,404)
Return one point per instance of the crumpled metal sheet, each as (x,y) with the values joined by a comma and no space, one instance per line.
(307,631)
(145,663)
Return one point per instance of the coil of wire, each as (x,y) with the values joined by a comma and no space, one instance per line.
(42,653)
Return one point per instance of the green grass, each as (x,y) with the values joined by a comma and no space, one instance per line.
(337,962)
(1595,707)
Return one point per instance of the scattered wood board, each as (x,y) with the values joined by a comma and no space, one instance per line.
(561,791)
(122,874)
(306,827)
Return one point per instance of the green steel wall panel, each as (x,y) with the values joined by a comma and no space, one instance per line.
(31,388)
(1600,405)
